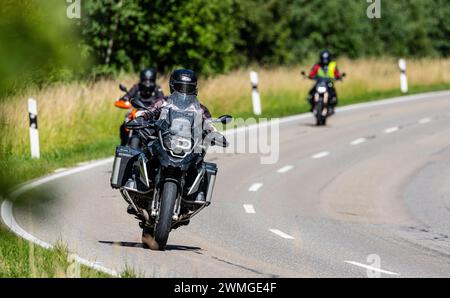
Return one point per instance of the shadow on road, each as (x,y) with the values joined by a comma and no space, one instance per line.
(140,245)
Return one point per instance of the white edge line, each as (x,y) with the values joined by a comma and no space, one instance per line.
(249,209)
(285,169)
(9,220)
(35,183)
(83,167)
(320,155)
(371,268)
(255,187)
(281,234)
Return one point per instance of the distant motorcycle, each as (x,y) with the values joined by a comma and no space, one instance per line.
(321,98)
(127,133)
(164,177)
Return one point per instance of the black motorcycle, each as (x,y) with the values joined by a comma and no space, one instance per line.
(321,98)
(164,177)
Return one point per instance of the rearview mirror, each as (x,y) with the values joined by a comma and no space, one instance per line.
(138,104)
(225,119)
(123,88)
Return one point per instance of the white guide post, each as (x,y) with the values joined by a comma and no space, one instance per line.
(403,77)
(34,134)
(256,99)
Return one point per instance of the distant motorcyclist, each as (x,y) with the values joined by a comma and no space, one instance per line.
(325,68)
(146,90)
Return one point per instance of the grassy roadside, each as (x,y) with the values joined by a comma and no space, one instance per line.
(78,122)
(21,259)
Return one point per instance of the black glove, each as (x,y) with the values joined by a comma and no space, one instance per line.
(216,138)
(137,123)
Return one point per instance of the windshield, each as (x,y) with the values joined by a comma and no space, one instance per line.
(183,113)
(183,101)
(181,123)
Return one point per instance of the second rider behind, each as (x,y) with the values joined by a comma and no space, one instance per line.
(147,91)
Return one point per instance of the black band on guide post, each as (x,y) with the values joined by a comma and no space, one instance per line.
(33,120)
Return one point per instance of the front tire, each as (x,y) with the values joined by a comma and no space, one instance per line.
(164,224)
(318,111)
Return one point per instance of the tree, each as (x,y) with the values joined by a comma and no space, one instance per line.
(38,44)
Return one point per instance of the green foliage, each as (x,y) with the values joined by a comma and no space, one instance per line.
(37,44)
(213,36)
(164,33)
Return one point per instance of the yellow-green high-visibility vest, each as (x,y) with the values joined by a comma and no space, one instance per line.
(330,72)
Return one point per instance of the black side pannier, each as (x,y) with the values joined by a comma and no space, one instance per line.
(209,179)
(123,165)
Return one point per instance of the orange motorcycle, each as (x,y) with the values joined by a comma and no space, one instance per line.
(125,133)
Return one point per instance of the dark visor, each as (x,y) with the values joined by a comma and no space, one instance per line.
(185,88)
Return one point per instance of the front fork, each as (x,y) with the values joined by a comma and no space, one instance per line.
(325,97)
(156,203)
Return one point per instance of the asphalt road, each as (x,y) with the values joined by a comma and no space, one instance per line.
(370,189)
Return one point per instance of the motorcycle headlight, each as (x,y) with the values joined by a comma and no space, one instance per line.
(177,144)
(181,143)
(321,89)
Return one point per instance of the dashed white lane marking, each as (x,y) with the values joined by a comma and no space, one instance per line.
(320,155)
(424,120)
(371,268)
(285,169)
(358,141)
(255,187)
(249,209)
(392,129)
(281,234)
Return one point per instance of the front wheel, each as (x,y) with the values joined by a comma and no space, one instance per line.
(320,119)
(164,224)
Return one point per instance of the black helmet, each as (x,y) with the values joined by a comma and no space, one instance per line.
(147,82)
(183,81)
(325,57)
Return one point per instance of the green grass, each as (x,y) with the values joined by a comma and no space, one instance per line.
(18,168)
(22,259)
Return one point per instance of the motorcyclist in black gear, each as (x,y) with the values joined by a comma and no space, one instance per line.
(183,84)
(182,81)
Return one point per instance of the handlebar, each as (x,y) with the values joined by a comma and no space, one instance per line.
(331,79)
(139,123)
